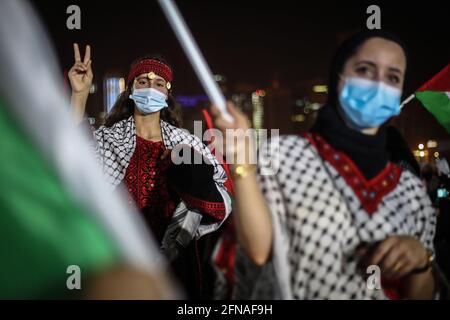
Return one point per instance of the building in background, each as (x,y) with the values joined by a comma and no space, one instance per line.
(292,109)
(247,97)
(309,96)
(113,86)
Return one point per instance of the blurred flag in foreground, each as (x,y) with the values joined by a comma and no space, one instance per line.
(56,209)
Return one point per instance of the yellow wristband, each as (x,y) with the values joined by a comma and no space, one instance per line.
(242,170)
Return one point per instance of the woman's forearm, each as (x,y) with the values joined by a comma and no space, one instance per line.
(253,220)
(78,105)
(419,286)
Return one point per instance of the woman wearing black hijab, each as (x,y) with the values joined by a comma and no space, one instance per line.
(336,215)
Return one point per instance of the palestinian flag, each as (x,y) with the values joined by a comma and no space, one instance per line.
(56,209)
(435,97)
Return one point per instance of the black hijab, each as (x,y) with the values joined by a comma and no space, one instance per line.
(368,152)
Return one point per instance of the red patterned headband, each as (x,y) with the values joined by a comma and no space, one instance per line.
(150,65)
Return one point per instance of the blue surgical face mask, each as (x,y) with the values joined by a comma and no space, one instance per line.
(149,100)
(367,103)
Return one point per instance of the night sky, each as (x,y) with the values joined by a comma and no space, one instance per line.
(247,41)
(252,43)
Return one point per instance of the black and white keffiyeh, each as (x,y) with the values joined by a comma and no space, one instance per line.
(319,222)
(114,147)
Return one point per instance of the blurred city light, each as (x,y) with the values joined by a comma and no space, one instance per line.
(432,144)
(258,108)
(320,89)
(298,118)
(113,87)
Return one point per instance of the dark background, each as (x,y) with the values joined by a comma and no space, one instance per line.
(254,42)
(249,41)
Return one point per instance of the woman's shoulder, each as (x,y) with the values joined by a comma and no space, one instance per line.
(285,145)
(279,154)
(120,126)
(413,193)
(411,182)
(176,133)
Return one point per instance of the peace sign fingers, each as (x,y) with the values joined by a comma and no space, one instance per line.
(80,75)
(87,54)
(76,52)
(77,55)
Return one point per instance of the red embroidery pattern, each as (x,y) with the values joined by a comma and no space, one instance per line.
(370,193)
(147,184)
(150,65)
(214,209)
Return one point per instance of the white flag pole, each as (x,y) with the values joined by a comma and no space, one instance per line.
(195,56)
(407,100)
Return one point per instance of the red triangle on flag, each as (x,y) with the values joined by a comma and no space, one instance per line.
(440,82)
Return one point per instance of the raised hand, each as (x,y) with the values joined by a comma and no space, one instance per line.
(80,75)
(238,143)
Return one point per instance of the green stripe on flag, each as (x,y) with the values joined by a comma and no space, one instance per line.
(438,103)
(43,229)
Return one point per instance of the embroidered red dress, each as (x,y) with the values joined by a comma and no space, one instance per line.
(148,187)
(156,187)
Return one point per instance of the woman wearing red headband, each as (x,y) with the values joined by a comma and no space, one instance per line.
(179,202)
